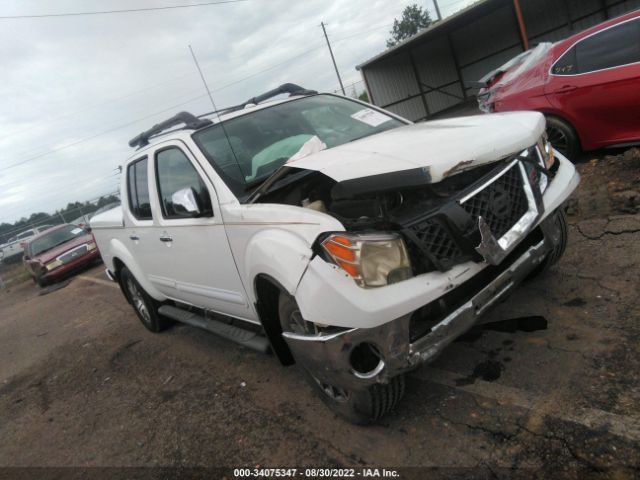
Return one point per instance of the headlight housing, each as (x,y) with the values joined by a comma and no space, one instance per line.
(546,160)
(53,265)
(372,260)
(546,151)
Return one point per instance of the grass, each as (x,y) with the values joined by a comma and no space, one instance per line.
(13,274)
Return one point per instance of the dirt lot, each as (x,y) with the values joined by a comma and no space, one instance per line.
(82,383)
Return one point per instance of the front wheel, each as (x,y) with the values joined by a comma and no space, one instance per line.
(553,257)
(360,407)
(146,308)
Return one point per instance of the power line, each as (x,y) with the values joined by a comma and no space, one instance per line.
(128,10)
(118,127)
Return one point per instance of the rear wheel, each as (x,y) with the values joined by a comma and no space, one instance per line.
(360,407)
(144,305)
(563,137)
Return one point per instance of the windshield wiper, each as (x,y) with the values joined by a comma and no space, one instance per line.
(266,184)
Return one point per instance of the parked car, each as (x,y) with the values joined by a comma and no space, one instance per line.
(13,249)
(588,86)
(340,236)
(59,251)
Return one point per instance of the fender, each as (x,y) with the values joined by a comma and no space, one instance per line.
(119,250)
(280,254)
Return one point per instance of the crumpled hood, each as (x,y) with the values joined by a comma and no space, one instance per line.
(441,148)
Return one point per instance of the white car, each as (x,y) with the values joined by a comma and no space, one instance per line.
(340,236)
(13,249)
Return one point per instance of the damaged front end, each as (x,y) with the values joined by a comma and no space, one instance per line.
(358,357)
(489,215)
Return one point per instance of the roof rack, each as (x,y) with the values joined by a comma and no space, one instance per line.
(290,88)
(190,121)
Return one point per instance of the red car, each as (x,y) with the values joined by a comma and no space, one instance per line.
(58,251)
(588,86)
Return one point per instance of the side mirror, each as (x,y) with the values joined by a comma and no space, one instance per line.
(185,202)
(87,228)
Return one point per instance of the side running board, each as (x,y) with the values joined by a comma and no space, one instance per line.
(246,338)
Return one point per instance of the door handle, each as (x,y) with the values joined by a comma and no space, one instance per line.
(135,238)
(566,89)
(166,238)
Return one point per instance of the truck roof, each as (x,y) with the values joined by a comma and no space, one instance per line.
(193,122)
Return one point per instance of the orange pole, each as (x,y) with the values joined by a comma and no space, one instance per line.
(523,30)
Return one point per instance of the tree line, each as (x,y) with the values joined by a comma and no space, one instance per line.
(68,214)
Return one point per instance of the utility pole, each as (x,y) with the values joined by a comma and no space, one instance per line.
(435,4)
(333,59)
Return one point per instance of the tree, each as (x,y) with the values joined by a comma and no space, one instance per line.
(414,18)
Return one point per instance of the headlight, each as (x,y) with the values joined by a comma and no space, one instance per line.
(53,265)
(91,246)
(372,260)
(547,161)
(546,151)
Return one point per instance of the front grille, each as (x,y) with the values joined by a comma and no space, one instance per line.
(426,317)
(73,254)
(438,241)
(501,204)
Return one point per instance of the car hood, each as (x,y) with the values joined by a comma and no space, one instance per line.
(49,255)
(439,148)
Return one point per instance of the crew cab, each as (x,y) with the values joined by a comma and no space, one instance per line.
(337,235)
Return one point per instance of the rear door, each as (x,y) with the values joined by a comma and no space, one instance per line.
(189,256)
(596,84)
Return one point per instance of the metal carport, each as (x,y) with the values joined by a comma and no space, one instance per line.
(430,72)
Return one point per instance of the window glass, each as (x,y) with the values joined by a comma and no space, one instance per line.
(253,146)
(614,47)
(138,189)
(24,235)
(57,237)
(567,64)
(175,172)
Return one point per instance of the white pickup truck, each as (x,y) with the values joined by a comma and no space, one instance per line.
(337,235)
(14,248)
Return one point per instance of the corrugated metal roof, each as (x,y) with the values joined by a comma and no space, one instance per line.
(424,33)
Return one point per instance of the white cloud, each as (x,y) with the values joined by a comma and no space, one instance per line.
(67,79)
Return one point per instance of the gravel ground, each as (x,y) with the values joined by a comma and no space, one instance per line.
(82,383)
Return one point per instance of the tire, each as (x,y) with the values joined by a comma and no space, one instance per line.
(360,407)
(146,308)
(42,283)
(563,137)
(554,255)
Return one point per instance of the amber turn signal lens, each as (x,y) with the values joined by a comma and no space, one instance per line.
(340,252)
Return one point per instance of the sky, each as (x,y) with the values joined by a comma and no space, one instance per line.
(75,89)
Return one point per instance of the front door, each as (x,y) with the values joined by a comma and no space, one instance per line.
(190,258)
